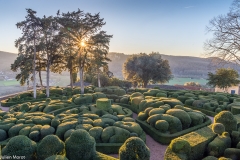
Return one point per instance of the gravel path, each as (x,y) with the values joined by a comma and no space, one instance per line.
(4,108)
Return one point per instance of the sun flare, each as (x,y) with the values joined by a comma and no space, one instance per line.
(82,44)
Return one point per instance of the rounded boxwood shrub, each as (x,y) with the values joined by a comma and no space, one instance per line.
(14,130)
(80,145)
(180,145)
(130,126)
(25,131)
(36,128)
(162,125)
(165,107)
(3,135)
(134,148)
(161,94)
(219,144)
(136,94)
(96,133)
(50,145)
(20,146)
(24,107)
(156,111)
(227,119)
(142,116)
(182,116)
(103,103)
(232,153)
(114,134)
(35,136)
(189,102)
(218,128)
(196,118)
(46,130)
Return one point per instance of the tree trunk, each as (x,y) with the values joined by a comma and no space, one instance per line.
(81,79)
(48,76)
(34,70)
(40,78)
(71,78)
(145,84)
(99,82)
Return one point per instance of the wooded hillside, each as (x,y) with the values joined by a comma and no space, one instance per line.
(6,59)
(181,66)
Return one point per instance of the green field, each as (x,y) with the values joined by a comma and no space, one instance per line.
(181,81)
(9,83)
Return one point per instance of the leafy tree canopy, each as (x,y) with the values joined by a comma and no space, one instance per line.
(223,78)
(142,68)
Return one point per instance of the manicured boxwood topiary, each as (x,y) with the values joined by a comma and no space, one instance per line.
(47,130)
(132,127)
(3,135)
(180,146)
(232,153)
(35,136)
(134,148)
(218,128)
(196,118)
(114,134)
(25,131)
(219,144)
(156,111)
(96,133)
(50,145)
(182,116)
(63,127)
(80,145)
(14,130)
(103,103)
(20,146)
(162,125)
(227,119)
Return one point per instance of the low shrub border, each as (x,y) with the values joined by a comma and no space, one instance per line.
(207,112)
(164,138)
(113,148)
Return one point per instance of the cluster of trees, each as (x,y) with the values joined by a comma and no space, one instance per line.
(142,68)
(106,80)
(70,41)
(223,78)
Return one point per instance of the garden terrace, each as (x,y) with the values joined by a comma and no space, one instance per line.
(106,115)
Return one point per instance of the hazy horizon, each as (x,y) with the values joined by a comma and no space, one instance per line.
(168,27)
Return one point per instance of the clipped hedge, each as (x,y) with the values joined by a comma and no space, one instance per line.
(198,141)
(165,138)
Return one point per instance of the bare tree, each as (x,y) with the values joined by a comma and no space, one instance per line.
(225,43)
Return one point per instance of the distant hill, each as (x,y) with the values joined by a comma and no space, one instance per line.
(181,66)
(6,59)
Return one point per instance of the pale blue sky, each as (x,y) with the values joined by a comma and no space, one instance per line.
(172,27)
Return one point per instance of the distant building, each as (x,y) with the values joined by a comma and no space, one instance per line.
(231,90)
